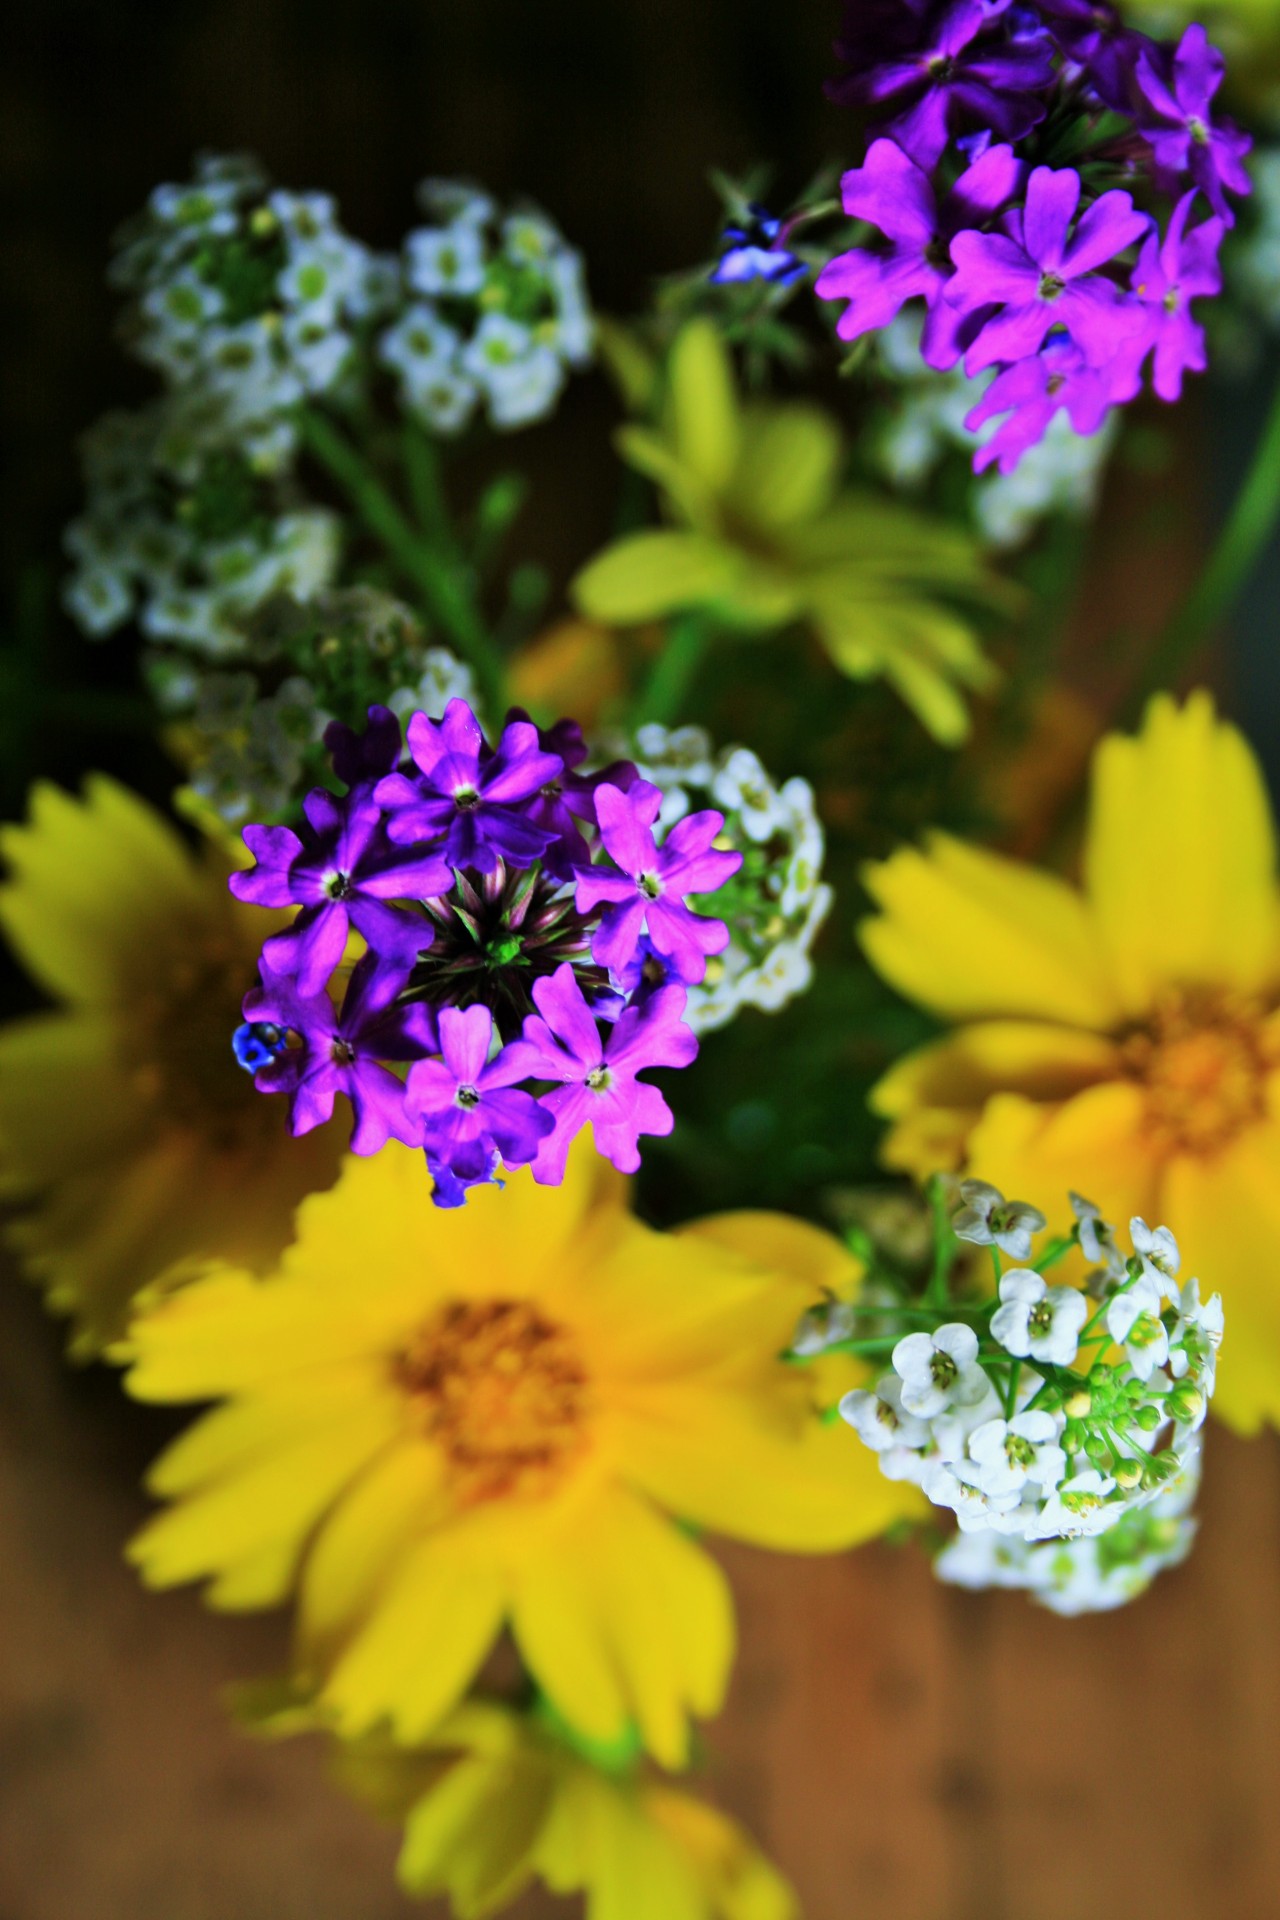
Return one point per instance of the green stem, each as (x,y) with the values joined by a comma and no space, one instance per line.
(1250,525)
(422,470)
(447,601)
(663,694)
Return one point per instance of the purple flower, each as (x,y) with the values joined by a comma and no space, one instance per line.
(1033,391)
(756,249)
(1093,35)
(897,196)
(342,1052)
(341,870)
(468,1108)
(1038,279)
(472,798)
(647,895)
(1186,138)
(597,1077)
(934,69)
(1170,274)
(569,797)
(360,759)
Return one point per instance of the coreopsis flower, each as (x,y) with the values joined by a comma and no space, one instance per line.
(494,1800)
(471,880)
(1019,262)
(767,539)
(1067,1441)
(129,1136)
(434,1424)
(1120,1036)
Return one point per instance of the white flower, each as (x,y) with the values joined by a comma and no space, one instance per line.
(880,1419)
(457,201)
(951,1429)
(1036,1321)
(1078,1507)
(449,260)
(939,1370)
(98,599)
(1155,1247)
(1134,1323)
(988,1219)
(318,350)
(1205,1324)
(1010,1453)
(684,751)
(524,391)
(420,344)
(981,1560)
(1097,1236)
(975,1508)
(741,785)
(530,238)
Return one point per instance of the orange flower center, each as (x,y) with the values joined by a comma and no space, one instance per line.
(503,1392)
(1202,1061)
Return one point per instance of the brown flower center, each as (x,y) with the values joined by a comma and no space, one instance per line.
(1202,1061)
(503,1393)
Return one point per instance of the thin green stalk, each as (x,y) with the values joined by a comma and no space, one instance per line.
(422,470)
(446,599)
(1250,525)
(662,697)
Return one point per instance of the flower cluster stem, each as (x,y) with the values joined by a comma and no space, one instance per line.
(446,599)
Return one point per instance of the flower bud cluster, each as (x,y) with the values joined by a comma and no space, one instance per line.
(492,312)
(1049,1412)
(776,902)
(507,904)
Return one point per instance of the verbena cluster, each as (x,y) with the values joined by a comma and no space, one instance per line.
(1052,184)
(510,906)
(776,903)
(1007,1411)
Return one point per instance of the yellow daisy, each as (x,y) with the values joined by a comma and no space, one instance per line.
(492,1801)
(125,1124)
(438,1424)
(1122,1038)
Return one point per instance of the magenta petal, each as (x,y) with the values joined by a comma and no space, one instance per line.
(559,1000)
(1052,199)
(894,194)
(1111,225)
(465,1033)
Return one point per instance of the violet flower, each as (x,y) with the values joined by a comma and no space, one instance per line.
(935,70)
(756,249)
(468,1109)
(569,797)
(360,759)
(1041,279)
(1033,391)
(1092,34)
(342,1052)
(597,1076)
(647,895)
(896,195)
(472,798)
(341,870)
(1170,274)
(1185,138)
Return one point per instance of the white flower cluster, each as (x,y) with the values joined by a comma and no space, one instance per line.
(1061,475)
(182,531)
(246,298)
(985,1414)
(776,903)
(493,311)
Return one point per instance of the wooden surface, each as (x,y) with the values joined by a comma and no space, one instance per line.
(903,1751)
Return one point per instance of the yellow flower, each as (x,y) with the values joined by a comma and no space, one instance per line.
(767,537)
(492,1801)
(1123,1039)
(440,1423)
(125,1122)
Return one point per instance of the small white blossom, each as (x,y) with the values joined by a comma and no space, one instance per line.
(988,1219)
(1155,1247)
(1133,1321)
(939,1370)
(741,785)
(1080,1506)
(1097,1237)
(960,1488)
(1038,1322)
(446,260)
(881,1420)
(1009,1454)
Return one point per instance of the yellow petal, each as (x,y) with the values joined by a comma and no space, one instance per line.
(793,1249)
(1094,1143)
(1180,855)
(472,1835)
(603,1841)
(789,466)
(397,1499)
(705,423)
(970,934)
(556,1619)
(740,1884)
(647,575)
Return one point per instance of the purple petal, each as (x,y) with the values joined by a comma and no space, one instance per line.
(268,884)
(570,1108)
(1012,335)
(1052,199)
(618,935)
(465,1034)
(892,193)
(626,825)
(311,948)
(1110,226)
(559,1000)
(394,935)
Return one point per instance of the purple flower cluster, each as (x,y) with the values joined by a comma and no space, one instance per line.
(527,945)
(1012,138)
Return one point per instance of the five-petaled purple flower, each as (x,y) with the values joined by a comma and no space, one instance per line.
(1185,138)
(647,894)
(1039,275)
(596,1074)
(341,870)
(470,1111)
(361,759)
(471,799)
(896,195)
(342,1052)
(941,70)
(1033,391)
(1170,274)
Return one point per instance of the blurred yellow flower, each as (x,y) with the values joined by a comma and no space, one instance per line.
(441,1422)
(125,1124)
(766,536)
(1123,1039)
(1248,31)
(492,1801)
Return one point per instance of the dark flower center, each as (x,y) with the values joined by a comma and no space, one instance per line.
(337,885)
(467,1097)
(465,798)
(1051,285)
(650,885)
(342,1053)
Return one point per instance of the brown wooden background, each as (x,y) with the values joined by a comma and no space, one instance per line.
(906,1753)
